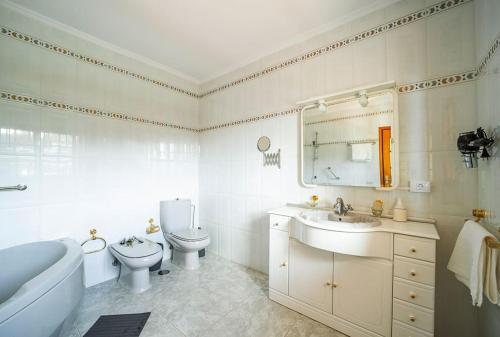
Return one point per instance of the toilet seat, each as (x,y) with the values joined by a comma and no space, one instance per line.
(190,235)
(137,250)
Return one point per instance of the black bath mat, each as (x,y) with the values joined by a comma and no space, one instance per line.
(129,325)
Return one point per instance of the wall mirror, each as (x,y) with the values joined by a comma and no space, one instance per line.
(351,138)
(263,144)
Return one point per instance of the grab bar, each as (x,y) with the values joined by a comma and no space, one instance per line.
(18,187)
(93,236)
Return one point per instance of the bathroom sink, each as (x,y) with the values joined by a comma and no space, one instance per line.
(351,234)
(351,220)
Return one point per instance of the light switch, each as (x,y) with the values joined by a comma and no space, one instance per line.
(420,186)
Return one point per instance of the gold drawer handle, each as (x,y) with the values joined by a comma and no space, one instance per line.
(412,318)
(413,250)
(283,264)
(413,296)
(413,273)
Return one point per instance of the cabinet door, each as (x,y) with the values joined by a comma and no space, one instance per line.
(363,292)
(311,272)
(278,260)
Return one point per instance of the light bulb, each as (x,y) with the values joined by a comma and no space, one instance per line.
(322,106)
(363,99)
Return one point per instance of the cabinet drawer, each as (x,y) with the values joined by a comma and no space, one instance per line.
(414,293)
(279,222)
(402,330)
(417,248)
(413,315)
(414,270)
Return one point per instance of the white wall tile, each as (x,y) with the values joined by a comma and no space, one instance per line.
(450,46)
(369,61)
(454,188)
(407,53)
(87,172)
(114,173)
(19,220)
(414,130)
(427,150)
(451,111)
(21,67)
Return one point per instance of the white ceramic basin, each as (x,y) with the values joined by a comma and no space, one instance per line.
(353,234)
(351,220)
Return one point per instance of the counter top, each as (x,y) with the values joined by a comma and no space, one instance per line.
(412,228)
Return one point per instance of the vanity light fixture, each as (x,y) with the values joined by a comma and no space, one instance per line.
(322,106)
(362,98)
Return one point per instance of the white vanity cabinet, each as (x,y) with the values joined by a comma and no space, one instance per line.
(385,289)
(278,253)
(311,275)
(363,292)
(278,260)
(414,278)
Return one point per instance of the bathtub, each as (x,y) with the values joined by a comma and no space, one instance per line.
(41,285)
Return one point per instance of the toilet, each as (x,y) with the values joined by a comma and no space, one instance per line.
(177,223)
(135,261)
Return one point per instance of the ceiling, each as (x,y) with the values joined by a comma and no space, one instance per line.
(201,39)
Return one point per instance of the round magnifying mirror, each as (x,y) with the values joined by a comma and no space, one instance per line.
(263,144)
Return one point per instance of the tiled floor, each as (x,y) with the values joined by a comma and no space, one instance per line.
(220,299)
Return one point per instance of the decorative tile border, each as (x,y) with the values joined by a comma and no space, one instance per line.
(336,119)
(87,110)
(269,115)
(394,24)
(491,52)
(90,60)
(391,25)
(438,82)
(403,89)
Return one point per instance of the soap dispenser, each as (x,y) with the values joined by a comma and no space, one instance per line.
(399,212)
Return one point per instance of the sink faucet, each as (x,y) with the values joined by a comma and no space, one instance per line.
(340,208)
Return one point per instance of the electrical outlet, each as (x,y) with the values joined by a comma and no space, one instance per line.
(420,186)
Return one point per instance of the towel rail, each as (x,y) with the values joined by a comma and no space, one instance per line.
(491,242)
(93,237)
(18,187)
(347,142)
(479,214)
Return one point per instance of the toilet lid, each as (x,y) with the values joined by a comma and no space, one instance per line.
(191,235)
(138,249)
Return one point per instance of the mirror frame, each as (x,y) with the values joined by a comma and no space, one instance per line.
(382,88)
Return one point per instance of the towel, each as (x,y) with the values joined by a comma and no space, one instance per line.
(491,282)
(361,152)
(468,259)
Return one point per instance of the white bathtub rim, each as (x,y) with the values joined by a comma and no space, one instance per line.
(38,286)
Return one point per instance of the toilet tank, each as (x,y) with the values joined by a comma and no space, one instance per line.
(175,215)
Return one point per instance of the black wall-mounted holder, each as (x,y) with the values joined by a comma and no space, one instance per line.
(473,144)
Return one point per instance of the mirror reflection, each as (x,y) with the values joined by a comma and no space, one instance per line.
(350,142)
